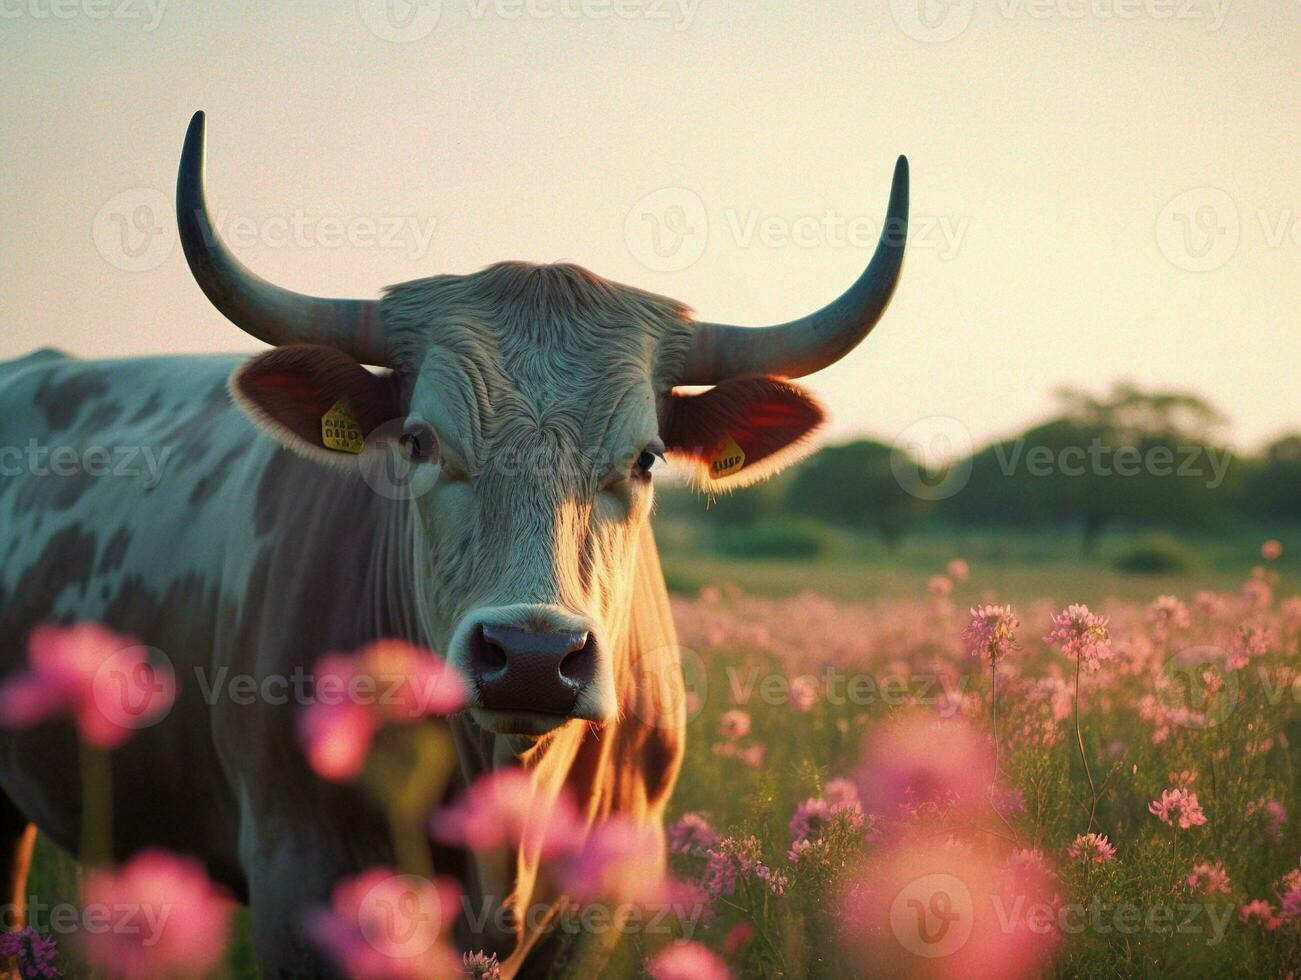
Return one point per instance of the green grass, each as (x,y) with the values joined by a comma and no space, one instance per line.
(1015,566)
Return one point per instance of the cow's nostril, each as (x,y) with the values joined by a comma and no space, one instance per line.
(487,656)
(520,669)
(578,666)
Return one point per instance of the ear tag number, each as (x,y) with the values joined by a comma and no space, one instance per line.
(728,458)
(340,430)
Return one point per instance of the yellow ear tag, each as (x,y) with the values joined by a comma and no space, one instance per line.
(340,429)
(728,458)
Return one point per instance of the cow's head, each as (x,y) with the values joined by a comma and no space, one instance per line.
(537,400)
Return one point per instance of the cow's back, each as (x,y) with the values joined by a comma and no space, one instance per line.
(124,499)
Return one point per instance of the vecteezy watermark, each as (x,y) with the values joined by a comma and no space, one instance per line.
(1199,230)
(931,458)
(672,688)
(303,686)
(657,918)
(1098,458)
(127,462)
(937,21)
(404,21)
(932,916)
(397,232)
(838,688)
(135,687)
(149,12)
(1209,919)
(135,231)
(144,919)
(669,229)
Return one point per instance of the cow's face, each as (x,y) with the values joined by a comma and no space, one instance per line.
(529,406)
(534,401)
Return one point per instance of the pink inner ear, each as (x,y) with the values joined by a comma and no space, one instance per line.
(294,386)
(762,415)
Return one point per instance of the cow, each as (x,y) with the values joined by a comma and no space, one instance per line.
(528,406)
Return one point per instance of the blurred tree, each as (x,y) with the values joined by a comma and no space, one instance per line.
(1272,484)
(854,486)
(1141,458)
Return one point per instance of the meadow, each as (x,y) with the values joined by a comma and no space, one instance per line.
(880,783)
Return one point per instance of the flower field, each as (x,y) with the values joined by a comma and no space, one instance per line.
(944,785)
(919,788)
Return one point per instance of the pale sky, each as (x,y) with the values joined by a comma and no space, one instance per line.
(1101,189)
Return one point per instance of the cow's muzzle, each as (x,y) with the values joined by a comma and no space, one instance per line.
(531,670)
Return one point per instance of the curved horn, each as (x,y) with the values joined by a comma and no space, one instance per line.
(277,316)
(800,347)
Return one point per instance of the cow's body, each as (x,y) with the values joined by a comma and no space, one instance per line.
(217,510)
(243,559)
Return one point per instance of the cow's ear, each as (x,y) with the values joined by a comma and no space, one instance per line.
(741,431)
(316,401)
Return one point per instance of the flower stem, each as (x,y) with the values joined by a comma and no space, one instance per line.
(96,805)
(1079,739)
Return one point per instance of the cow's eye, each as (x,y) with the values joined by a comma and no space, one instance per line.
(419,443)
(646,462)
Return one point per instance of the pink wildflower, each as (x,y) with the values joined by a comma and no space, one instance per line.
(687,960)
(619,860)
(840,790)
(1092,848)
(191,917)
(1258,593)
(991,632)
(915,764)
(1209,878)
(1260,912)
(734,724)
(1273,814)
(1167,612)
(1178,806)
(33,953)
(1081,635)
(692,834)
(804,693)
(888,911)
(813,815)
(387,682)
(106,683)
(481,966)
(957,569)
(734,859)
(939,586)
(1271,550)
(501,810)
(382,925)
(738,937)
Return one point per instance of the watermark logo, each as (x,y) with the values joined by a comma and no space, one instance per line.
(400,21)
(388,468)
(401,916)
(932,457)
(135,687)
(1198,230)
(1195,688)
(134,231)
(932,916)
(932,21)
(674,686)
(668,229)
(150,12)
